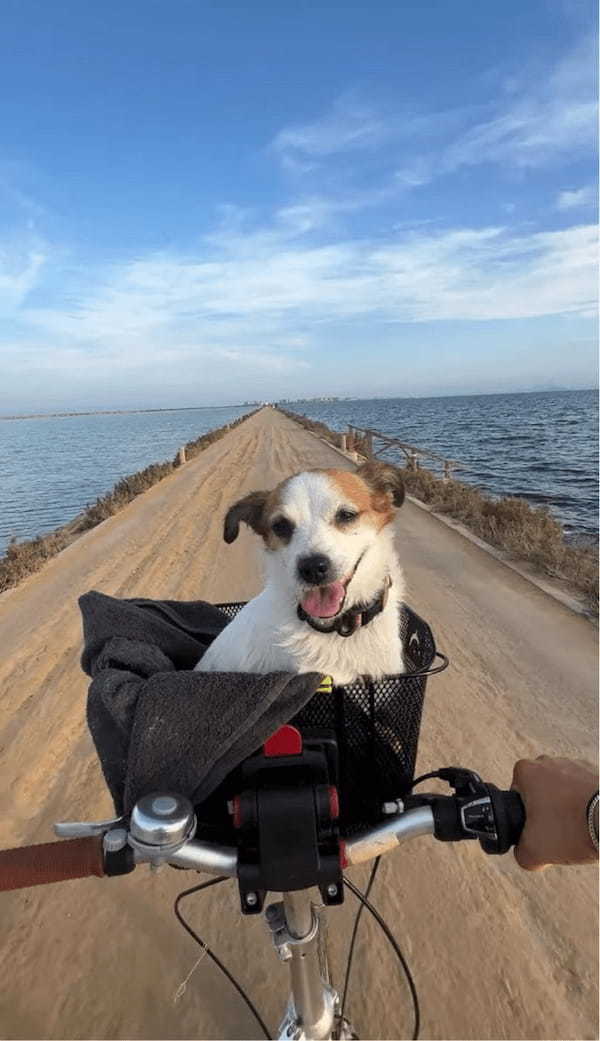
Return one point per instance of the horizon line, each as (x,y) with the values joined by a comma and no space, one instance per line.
(320,399)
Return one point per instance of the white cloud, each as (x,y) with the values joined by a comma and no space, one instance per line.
(572,199)
(318,211)
(268,303)
(268,297)
(349,125)
(21,263)
(532,133)
(543,116)
(550,115)
(415,174)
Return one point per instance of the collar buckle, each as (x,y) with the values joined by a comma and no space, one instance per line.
(349,623)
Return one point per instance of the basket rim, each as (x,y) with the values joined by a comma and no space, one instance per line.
(431,670)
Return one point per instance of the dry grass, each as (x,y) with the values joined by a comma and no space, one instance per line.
(23,558)
(528,533)
(314,426)
(321,430)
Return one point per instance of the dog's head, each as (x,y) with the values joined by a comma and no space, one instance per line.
(327,533)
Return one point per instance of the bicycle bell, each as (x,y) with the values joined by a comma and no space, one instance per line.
(161,822)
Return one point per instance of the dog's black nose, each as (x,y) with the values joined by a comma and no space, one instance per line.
(316,569)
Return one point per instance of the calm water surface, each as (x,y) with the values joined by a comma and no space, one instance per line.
(542,447)
(51,468)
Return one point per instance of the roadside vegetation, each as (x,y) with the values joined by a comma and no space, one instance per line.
(23,558)
(529,534)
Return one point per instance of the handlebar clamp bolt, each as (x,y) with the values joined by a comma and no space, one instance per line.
(392,808)
(251,899)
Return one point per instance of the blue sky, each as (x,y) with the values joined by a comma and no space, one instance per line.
(203,203)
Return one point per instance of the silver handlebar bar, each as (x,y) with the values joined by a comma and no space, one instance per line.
(215,859)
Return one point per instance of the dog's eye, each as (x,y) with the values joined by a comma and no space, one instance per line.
(345,516)
(283,528)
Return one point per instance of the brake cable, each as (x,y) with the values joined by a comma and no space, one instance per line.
(211,954)
(364,903)
(357,919)
(396,948)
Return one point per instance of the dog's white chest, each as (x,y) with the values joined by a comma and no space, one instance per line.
(257,641)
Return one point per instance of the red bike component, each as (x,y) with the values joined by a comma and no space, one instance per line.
(285,741)
(343,857)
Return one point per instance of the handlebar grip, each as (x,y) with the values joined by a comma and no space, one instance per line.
(510,818)
(515,812)
(51,862)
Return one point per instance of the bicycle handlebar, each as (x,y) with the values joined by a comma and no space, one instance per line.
(222,860)
(496,820)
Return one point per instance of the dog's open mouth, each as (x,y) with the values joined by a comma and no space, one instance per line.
(328,601)
(324,601)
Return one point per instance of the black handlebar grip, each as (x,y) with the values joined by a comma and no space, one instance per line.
(509,812)
(515,812)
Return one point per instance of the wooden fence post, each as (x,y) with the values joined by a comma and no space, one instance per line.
(413,461)
(350,439)
(182,455)
(447,471)
(343,443)
(368,444)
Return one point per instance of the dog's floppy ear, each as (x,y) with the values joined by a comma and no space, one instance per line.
(384,479)
(250,511)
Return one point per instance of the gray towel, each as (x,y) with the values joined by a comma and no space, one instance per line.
(157,724)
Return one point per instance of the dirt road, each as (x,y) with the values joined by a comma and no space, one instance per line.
(496,952)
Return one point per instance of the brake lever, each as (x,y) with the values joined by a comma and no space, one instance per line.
(85,829)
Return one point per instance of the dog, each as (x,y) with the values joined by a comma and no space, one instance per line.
(334,584)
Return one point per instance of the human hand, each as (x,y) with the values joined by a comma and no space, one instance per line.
(556,793)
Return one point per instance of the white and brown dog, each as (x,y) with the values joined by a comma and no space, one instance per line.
(333,582)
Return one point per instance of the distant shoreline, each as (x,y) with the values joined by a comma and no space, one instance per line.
(120,411)
(294,401)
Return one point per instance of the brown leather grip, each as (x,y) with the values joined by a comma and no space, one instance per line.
(51,862)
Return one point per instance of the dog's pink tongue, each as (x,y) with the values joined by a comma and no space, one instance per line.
(324,601)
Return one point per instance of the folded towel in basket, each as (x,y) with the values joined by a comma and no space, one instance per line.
(156,723)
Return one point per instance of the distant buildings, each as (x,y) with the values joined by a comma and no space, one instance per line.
(293,401)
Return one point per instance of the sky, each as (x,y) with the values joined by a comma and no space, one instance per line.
(203,203)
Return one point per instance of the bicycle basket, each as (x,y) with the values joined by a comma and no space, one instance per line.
(376,724)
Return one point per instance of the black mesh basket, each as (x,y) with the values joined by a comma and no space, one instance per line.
(376,724)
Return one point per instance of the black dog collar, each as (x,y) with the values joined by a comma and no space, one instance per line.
(354,618)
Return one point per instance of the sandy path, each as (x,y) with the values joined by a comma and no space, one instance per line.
(497,953)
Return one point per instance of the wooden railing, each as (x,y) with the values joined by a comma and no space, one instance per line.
(372,443)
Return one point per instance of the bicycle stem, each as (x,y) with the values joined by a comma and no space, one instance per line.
(311,1013)
(295,927)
